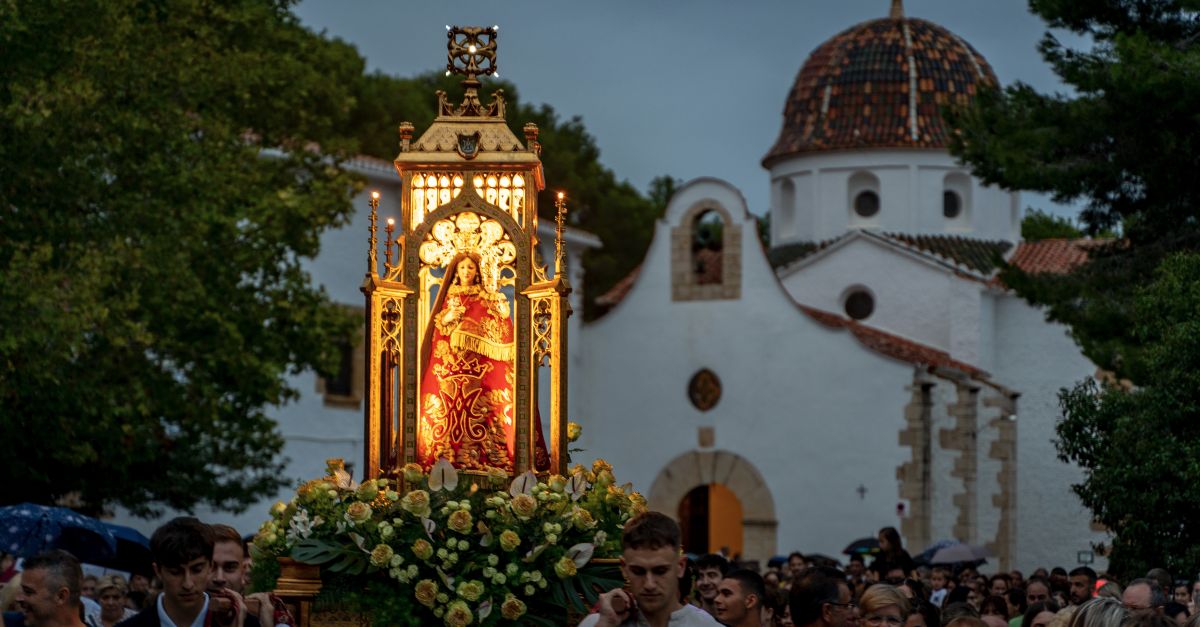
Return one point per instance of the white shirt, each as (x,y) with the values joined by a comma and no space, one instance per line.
(686,616)
(197,622)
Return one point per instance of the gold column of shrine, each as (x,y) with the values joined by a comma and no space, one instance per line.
(468,184)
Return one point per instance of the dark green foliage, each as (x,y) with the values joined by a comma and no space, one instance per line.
(597,202)
(1126,143)
(1140,446)
(152,294)
(1039,225)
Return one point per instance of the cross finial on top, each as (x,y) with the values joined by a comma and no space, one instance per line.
(897,9)
(471,50)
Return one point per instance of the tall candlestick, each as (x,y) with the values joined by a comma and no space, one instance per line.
(559,253)
(371,267)
(387,251)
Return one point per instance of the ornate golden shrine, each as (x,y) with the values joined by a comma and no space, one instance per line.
(469,184)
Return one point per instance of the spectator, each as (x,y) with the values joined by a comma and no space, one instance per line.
(1143,596)
(1016,605)
(1101,612)
(1181,593)
(892,556)
(941,581)
(923,614)
(49,591)
(1083,585)
(957,610)
(111,591)
(994,606)
(1039,614)
(1109,589)
(796,563)
(740,599)
(883,605)
(710,570)
(229,559)
(999,584)
(87,587)
(1037,590)
(821,598)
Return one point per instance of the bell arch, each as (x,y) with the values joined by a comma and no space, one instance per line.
(685,282)
(700,468)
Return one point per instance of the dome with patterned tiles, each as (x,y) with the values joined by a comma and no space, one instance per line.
(880,84)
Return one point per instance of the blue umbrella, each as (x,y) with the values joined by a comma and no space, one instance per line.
(133,551)
(28,529)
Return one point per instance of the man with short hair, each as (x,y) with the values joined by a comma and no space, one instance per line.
(740,598)
(182,550)
(1083,585)
(796,563)
(652,562)
(821,598)
(229,573)
(49,592)
(710,570)
(1143,596)
(1037,590)
(999,584)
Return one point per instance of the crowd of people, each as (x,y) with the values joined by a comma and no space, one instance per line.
(665,588)
(200,579)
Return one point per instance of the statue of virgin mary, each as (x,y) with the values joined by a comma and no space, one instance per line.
(467,403)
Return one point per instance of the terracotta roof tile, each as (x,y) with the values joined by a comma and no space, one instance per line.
(979,255)
(1056,256)
(855,90)
(617,292)
(892,345)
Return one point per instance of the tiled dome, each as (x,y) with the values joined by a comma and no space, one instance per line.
(880,85)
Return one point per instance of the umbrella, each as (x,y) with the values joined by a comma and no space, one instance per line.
(862,546)
(133,551)
(958,553)
(28,529)
(925,556)
(822,560)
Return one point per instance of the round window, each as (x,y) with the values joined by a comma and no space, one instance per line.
(704,390)
(860,304)
(866,204)
(951,204)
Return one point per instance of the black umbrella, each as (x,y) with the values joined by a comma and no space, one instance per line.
(28,529)
(133,551)
(862,546)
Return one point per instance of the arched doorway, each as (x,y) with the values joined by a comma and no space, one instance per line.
(710,517)
(691,477)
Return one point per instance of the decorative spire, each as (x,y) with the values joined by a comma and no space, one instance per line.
(471,52)
(897,12)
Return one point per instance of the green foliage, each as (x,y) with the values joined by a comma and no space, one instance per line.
(1140,446)
(1039,225)
(613,210)
(1126,143)
(152,290)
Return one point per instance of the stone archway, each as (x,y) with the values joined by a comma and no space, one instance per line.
(698,468)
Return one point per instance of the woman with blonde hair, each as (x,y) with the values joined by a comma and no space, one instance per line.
(111,591)
(1100,612)
(883,605)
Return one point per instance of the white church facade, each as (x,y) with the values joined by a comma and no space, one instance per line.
(869,369)
(866,369)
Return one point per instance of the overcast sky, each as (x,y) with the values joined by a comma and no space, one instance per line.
(686,88)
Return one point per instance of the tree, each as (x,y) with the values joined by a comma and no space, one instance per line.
(597,201)
(1140,446)
(1039,225)
(1125,143)
(159,196)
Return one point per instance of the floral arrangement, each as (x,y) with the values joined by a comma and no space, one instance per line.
(454,551)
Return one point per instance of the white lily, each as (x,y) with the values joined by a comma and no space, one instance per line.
(523,483)
(443,476)
(581,553)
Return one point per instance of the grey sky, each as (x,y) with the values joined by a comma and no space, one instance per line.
(689,89)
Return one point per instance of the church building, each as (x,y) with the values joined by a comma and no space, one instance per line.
(868,369)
